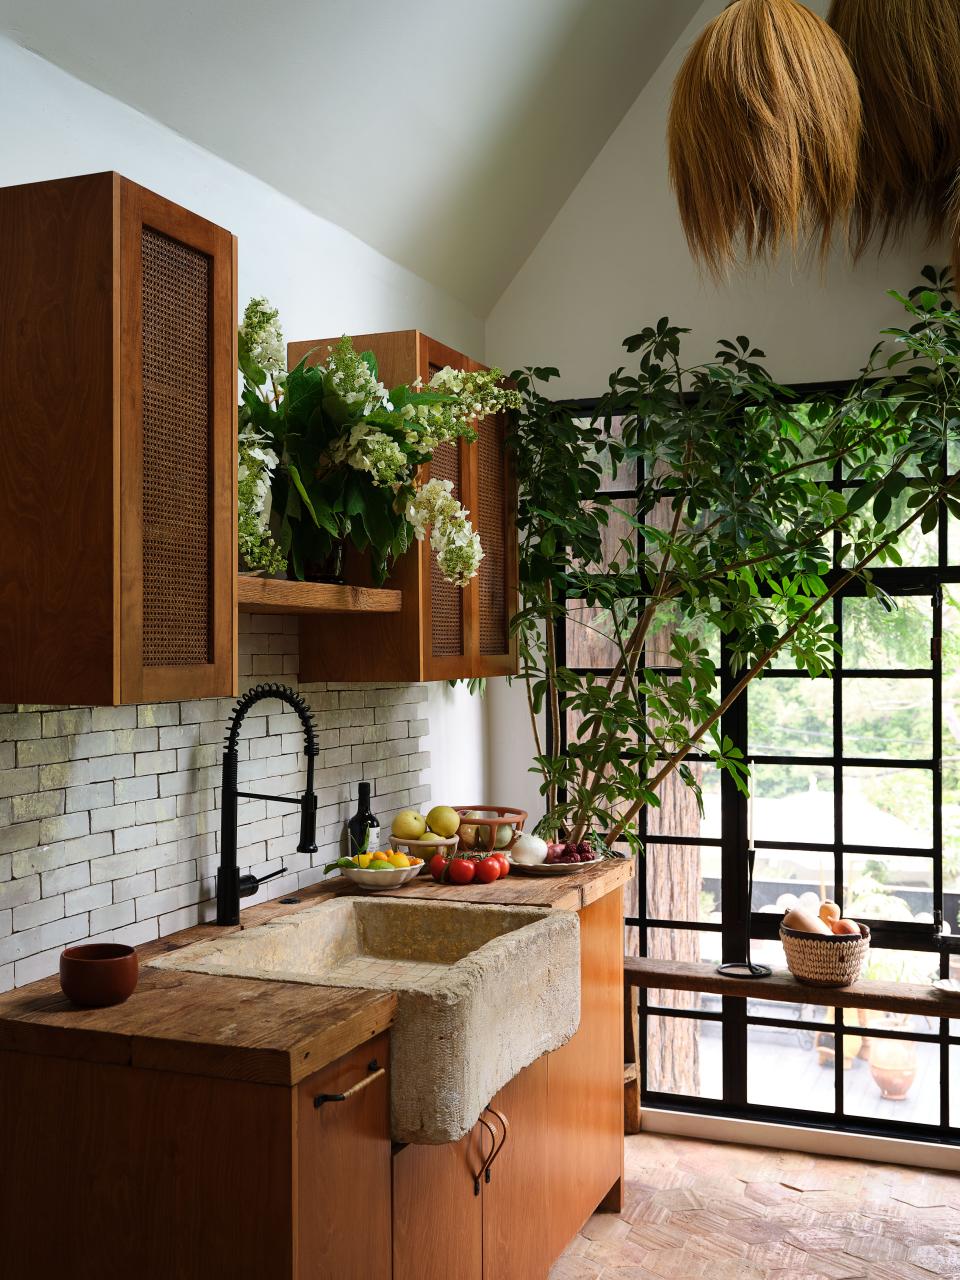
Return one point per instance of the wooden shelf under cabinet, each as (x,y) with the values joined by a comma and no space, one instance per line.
(118,492)
(443,632)
(278,595)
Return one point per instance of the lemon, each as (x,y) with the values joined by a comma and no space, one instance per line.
(381,864)
(399,859)
(364,860)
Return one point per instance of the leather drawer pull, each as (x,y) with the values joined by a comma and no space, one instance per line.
(321,1098)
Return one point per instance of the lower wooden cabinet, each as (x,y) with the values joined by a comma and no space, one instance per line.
(110,1172)
(438,1209)
(343,1166)
(516,1239)
(555,1133)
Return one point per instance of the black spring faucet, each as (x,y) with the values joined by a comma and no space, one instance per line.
(231,885)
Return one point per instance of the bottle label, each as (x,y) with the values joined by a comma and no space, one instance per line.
(373,837)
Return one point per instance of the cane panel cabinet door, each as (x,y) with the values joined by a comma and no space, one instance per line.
(118,471)
(443,632)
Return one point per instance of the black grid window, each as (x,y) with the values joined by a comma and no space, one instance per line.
(856,796)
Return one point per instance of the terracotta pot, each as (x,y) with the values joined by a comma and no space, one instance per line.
(99,974)
(893,1065)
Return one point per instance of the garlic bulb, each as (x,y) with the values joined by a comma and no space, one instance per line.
(529,850)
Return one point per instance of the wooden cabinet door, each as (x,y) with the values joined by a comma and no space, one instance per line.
(494,507)
(438,1210)
(516,1239)
(585,1082)
(343,1168)
(178,452)
(449,636)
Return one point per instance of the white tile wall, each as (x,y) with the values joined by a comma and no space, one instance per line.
(109,816)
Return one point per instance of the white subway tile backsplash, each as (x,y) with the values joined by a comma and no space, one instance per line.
(88,899)
(109,816)
(40,912)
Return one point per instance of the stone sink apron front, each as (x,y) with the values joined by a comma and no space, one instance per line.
(482,991)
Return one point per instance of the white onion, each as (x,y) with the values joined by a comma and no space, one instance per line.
(529,850)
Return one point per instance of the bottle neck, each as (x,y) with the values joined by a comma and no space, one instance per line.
(363,803)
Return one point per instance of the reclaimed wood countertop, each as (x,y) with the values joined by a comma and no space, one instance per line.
(275,1033)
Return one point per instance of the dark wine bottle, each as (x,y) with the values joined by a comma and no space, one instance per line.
(363,829)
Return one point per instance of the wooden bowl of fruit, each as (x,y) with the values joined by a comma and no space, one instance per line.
(488,827)
(380,869)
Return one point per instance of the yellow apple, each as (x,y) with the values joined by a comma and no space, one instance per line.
(408,825)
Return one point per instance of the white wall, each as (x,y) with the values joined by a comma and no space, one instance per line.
(323,279)
(615,259)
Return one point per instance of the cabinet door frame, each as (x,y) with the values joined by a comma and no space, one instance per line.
(218,677)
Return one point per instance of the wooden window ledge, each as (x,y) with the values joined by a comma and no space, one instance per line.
(888,997)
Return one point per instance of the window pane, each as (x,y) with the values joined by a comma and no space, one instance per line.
(683,882)
(626,477)
(916,549)
(678,813)
(888,719)
(891,807)
(790,1068)
(591,638)
(685,1056)
(951,756)
(886,965)
(887,887)
(670,622)
(790,717)
(894,1080)
(878,639)
(684,944)
(793,802)
(781,876)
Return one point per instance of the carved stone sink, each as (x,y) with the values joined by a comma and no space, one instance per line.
(482,991)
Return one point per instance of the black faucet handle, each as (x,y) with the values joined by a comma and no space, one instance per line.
(250,884)
(308,823)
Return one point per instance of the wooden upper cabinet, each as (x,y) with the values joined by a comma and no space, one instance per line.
(118,467)
(442,632)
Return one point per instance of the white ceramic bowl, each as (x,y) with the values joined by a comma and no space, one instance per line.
(392,879)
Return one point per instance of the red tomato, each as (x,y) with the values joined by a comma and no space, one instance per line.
(438,865)
(462,870)
(488,870)
(501,859)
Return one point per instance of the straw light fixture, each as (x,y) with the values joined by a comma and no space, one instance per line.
(764,132)
(906,56)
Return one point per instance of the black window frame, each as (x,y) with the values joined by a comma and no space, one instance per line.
(734,1015)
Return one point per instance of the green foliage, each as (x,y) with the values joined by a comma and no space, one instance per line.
(731,536)
(350,450)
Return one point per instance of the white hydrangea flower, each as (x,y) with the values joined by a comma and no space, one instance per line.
(452,537)
(367,449)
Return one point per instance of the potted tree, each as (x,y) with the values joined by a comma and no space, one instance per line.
(735,501)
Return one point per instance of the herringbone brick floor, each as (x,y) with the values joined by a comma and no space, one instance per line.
(714,1211)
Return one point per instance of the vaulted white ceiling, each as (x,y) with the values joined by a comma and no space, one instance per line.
(445,133)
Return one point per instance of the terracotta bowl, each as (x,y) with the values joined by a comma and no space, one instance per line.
(99,974)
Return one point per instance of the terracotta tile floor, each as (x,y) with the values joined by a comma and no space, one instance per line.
(714,1211)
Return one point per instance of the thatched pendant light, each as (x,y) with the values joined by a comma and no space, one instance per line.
(764,132)
(906,55)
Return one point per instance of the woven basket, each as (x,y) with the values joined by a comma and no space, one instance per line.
(823,961)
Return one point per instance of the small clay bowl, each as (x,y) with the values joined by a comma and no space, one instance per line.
(98,974)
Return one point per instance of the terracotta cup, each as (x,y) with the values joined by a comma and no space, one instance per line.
(98,974)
